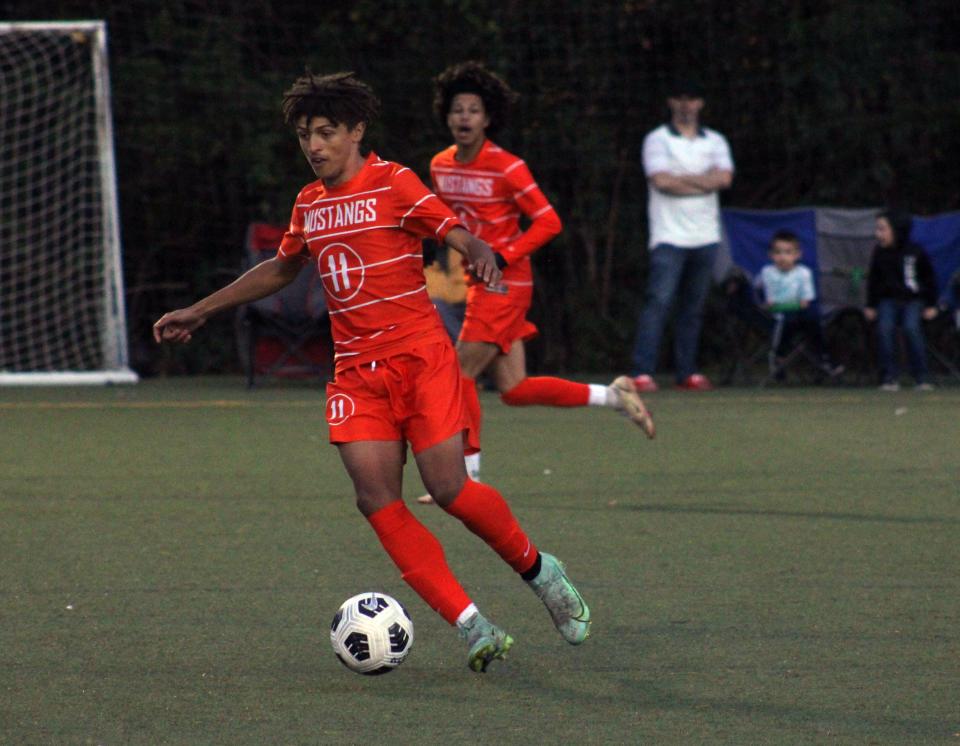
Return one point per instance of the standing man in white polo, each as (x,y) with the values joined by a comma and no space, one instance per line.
(686,166)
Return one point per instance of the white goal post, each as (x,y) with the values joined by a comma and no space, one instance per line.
(62,311)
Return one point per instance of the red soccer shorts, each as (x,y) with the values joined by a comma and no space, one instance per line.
(415,396)
(499,319)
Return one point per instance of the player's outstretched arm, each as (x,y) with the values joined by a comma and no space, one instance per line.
(482,261)
(258,282)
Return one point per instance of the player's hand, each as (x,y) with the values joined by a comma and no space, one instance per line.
(870,314)
(485,270)
(481,261)
(177,326)
(930,313)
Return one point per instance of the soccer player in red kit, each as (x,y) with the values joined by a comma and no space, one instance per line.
(397,380)
(490,190)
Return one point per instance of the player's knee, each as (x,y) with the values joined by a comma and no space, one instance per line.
(369,502)
(514,393)
(510,397)
(445,491)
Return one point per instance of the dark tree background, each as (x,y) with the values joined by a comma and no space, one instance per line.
(823,102)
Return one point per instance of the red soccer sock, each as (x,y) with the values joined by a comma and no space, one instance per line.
(484,511)
(552,392)
(420,558)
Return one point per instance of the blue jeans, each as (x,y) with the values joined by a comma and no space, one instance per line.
(451,314)
(908,315)
(684,276)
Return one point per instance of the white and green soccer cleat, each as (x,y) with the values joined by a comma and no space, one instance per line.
(569,611)
(487,642)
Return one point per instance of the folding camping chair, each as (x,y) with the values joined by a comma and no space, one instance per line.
(286,334)
(750,328)
(755,334)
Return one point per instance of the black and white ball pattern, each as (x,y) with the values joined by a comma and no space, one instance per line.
(371,633)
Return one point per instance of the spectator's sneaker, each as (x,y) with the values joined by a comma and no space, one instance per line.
(570,614)
(630,403)
(487,642)
(696,382)
(924,386)
(645,383)
(889,386)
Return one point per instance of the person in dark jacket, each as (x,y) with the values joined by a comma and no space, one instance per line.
(901,292)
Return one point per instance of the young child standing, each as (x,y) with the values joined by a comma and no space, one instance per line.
(789,294)
(901,291)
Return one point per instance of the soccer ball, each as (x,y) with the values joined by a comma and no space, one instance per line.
(371,633)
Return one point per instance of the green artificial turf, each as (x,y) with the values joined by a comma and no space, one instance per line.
(777,567)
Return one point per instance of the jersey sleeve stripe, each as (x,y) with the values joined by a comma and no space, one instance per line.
(542,211)
(417,204)
(529,188)
(515,164)
(440,227)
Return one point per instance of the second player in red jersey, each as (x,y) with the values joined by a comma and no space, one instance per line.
(490,194)
(492,191)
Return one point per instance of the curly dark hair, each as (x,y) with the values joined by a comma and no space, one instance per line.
(473,77)
(340,97)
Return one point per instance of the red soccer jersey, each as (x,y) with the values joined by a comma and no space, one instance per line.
(489,194)
(365,237)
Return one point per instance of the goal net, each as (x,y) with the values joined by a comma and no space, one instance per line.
(62,318)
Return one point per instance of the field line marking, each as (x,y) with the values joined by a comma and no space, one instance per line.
(202,404)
